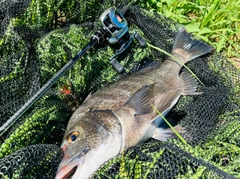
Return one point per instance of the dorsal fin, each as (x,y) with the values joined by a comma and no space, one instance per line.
(143,64)
(140,100)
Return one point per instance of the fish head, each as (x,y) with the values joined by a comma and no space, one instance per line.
(75,149)
(88,142)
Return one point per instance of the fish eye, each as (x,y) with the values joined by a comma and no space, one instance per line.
(73,137)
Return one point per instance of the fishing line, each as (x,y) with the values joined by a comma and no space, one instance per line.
(173,129)
(177,60)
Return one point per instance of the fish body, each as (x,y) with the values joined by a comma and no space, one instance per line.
(121,115)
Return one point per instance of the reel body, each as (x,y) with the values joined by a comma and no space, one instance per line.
(115,24)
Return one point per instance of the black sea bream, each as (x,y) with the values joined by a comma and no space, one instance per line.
(121,115)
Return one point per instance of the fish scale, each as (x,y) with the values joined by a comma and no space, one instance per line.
(122,91)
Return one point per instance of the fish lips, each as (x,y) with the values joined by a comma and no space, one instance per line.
(68,167)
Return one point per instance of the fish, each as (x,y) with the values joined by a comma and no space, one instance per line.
(121,114)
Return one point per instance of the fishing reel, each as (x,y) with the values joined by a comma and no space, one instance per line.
(116,25)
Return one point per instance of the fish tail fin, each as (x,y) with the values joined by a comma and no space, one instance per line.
(188,48)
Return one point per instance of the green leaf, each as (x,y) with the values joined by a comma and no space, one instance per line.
(193,27)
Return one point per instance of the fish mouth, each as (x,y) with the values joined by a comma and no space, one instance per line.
(67,169)
(70,173)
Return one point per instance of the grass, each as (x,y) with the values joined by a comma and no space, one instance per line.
(215,21)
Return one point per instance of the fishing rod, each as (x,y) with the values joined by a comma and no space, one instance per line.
(115,30)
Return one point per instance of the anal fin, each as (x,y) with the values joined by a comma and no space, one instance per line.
(162,134)
(189,84)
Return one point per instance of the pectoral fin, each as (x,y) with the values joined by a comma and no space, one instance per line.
(164,104)
(140,101)
(167,100)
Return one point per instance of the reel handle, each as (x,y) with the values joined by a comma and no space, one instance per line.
(117,66)
(140,40)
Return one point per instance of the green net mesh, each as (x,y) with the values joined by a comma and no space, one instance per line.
(38,37)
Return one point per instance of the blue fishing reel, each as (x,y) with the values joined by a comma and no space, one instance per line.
(115,24)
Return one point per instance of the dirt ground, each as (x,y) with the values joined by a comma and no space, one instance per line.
(235,62)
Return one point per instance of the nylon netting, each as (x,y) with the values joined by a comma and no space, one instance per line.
(38,37)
